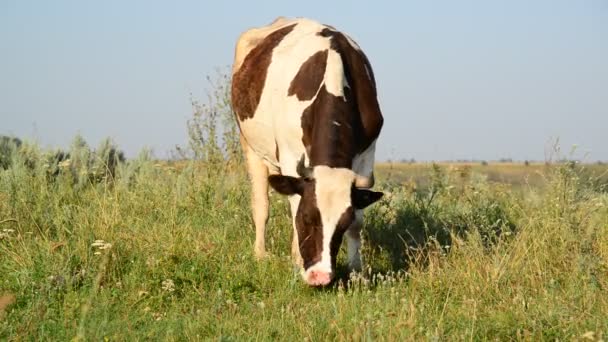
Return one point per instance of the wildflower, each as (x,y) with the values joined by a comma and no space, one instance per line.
(151,262)
(168,285)
(101,245)
(64,164)
(6,233)
(589,335)
(231,303)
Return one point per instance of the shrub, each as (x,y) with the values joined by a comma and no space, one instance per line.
(8,147)
(213,136)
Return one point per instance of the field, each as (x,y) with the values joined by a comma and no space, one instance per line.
(92,249)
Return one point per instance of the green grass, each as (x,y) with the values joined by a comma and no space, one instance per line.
(450,258)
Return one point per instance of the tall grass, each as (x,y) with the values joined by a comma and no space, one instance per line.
(157,250)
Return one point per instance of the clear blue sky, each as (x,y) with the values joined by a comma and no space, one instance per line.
(456,79)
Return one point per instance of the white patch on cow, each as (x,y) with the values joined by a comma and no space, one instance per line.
(278,117)
(332,189)
(250,38)
(368,72)
(352,42)
(334,79)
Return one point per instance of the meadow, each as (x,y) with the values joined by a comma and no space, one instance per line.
(94,246)
(96,249)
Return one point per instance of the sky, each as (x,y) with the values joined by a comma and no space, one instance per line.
(456,79)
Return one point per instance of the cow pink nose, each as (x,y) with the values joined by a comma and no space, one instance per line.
(318,278)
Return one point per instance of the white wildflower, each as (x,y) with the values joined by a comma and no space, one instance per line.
(101,245)
(6,233)
(589,335)
(168,285)
(64,164)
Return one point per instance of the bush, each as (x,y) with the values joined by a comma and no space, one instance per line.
(8,147)
(212,130)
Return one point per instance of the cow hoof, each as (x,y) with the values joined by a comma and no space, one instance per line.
(297,262)
(262,255)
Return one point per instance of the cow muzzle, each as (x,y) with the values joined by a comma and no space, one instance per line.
(316,276)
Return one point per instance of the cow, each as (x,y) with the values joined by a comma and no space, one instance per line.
(304,97)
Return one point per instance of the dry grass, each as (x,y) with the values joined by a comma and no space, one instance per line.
(5,301)
(515,174)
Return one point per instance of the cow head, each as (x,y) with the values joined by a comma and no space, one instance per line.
(327,207)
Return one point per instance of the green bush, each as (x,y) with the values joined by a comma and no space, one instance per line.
(8,147)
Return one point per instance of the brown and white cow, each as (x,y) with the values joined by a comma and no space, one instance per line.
(305,99)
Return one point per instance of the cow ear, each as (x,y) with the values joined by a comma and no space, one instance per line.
(361,198)
(286,185)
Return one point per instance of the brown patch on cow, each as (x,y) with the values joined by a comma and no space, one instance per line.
(362,93)
(248,81)
(309,225)
(307,122)
(336,128)
(345,221)
(308,79)
(332,130)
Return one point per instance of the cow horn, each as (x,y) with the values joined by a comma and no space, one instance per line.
(364,182)
(302,170)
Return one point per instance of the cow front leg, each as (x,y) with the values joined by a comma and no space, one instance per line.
(258,174)
(296,257)
(353,240)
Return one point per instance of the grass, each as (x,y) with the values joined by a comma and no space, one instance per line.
(517,175)
(162,252)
